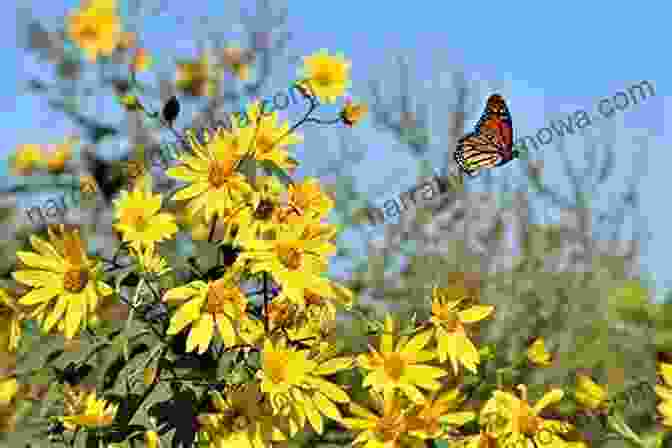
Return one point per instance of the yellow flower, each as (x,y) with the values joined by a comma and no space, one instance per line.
(10,322)
(308,198)
(401,367)
(241,419)
(537,353)
(9,389)
(326,76)
(296,263)
(238,61)
(296,388)
(383,428)
(512,419)
(152,263)
(665,393)
(448,321)
(195,77)
(215,186)
(65,283)
(26,158)
(353,113)
(95,28)
(267,140)
(152,439)
(264,211)
(141,60)
(139,219)
(84,409)
(219,303)
(427,418)
(588,393)
(63,153)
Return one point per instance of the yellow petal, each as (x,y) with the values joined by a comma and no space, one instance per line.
(327,407)
(475,313)
(201,334)
(334,365)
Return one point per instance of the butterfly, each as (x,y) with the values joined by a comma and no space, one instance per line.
(491,143)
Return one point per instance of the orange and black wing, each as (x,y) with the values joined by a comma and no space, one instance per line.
(476,151)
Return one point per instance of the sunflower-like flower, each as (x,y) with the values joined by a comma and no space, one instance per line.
(352,113)
(265,139)
(215,186)
(537,353)
(241,419)
(196,78)
(426,420)
(66,285)
(82,408)
(665,393)
(216,304)
(10,322)
(293,381)
(590,394)
(95,28)
(308,198)
(327,76)
(63,152)
(9,389)
(264,211)
(140,221)
(511,419)
(294,262)
(448,321)
(384,426)
(401,366)
(26,158)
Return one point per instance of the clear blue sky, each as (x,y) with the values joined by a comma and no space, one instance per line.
(547,59)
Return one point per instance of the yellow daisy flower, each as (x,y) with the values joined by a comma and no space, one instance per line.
(665,393)
(590,394)
(382,427)
(293,381)
(241,419)
(353,113)
(10,322)
(65,283)
(426,420)
(26,158)
(63,153)
(294,262)
(401,367)
(267,141)
(512,419)
(264,212)
(9,389)
(537,353)
(215,186)
(95,28)
(82,408)
(327,76)
(448,321)
(195,78)
(140,221)
(308,198)
(216,304)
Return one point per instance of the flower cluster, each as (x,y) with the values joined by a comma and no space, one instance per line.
(255,321)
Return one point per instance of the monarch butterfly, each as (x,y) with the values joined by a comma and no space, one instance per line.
(491,143)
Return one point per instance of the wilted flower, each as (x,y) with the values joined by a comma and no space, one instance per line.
(352,113)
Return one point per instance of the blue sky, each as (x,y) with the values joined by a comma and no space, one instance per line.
(547,59)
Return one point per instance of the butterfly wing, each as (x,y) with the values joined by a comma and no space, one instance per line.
(476,151)
(497,118)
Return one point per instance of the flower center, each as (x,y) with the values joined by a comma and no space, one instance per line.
(276,367)
(218,172)
(75,280)
(221,297)
(394,365)
(264,210)
(134,217)
(290,258)
(240,423)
